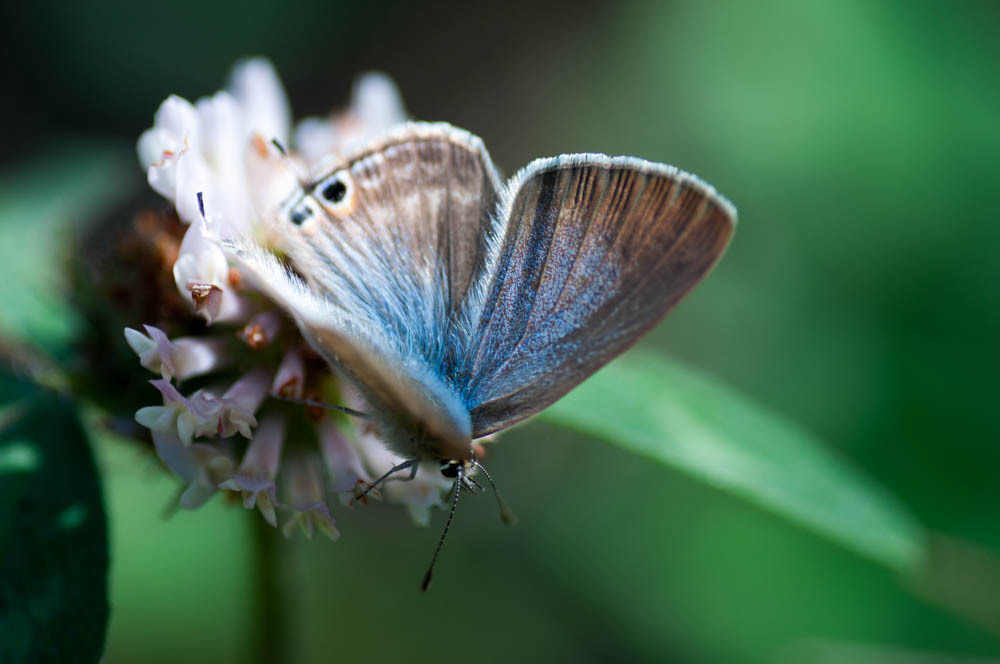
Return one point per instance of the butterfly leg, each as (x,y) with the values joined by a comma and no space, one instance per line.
(413,472)
(412,464)
(471,485)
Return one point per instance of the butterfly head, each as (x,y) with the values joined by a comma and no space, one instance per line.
(451,468)
(446,445)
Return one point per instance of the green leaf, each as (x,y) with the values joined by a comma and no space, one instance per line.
(41,203)
(53,537)
(674,415)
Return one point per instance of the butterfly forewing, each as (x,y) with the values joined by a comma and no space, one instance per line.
(407,237)
(595,251)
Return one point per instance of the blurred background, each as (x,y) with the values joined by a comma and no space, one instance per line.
(859,141)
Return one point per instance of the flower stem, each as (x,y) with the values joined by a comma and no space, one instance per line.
(271,636)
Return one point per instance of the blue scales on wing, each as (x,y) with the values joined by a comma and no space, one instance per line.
(593,253)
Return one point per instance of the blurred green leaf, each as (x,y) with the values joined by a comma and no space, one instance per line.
(53,537)
(40,205)
(660,409)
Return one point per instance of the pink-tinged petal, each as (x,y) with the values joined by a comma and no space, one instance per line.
(181,358)
(196,356)
(343,463)
(241,401)
(175,455)
(202,276)
(254,479)
(207,298)
(309,520)
(144,347)
(192,416)
(303,482)
(196,494)
(290,379)
(264,451)
(169,393)
(255,493)
(214,467)
(201,259)
(249,391)
(215,304)
(261,329)
(204,406)
(201,467)
(164,351)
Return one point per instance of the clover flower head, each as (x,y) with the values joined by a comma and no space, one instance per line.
(225,162)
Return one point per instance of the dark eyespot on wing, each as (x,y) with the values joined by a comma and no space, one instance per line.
(300,215)
(335,191)
(596,251)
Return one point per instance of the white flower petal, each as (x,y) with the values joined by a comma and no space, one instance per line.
(256,86)
(201,261)
(178,117)
(315,138)
(376,102)
(290,379)
(138,342)
(156,418)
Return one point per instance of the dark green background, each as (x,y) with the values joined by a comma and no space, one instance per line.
(859,141)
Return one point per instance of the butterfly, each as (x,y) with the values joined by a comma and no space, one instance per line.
(459,304)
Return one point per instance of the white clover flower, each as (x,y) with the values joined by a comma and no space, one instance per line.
(202,276)
(375,107)
(306,498)
(254,479)
(262,329)
(165,151)
(202,467)
(200,148)
(241,401)
(225,164)
(290,379)
(342,460)
(186,417)
(181,358)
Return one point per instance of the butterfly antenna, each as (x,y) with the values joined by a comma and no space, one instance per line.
(454,505)
(290,163)
(329,406)
(506,515)
(204,219)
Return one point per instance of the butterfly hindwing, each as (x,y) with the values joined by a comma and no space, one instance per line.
(594,252)
(388,241)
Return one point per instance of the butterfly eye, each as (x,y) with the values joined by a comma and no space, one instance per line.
(450,468)
(334,193)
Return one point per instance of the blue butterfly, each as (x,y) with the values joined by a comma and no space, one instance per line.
(460,305)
